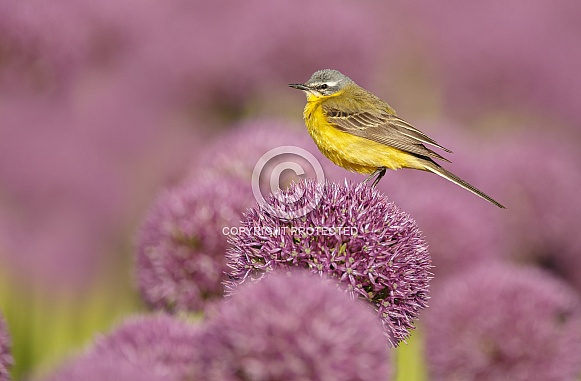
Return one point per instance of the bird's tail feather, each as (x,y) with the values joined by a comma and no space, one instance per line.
(438,170)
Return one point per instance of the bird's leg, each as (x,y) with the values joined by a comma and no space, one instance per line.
(379,172)
(371,176)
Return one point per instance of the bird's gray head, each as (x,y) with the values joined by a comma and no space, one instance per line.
(324,83)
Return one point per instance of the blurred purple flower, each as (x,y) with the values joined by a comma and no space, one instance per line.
(499,322)
(294,327)
(537,176)
(55,50)
(99,369)
(167,346)
(354,235)
(32,58)
(181,245)
(5,353)
(237,152)
(510,56)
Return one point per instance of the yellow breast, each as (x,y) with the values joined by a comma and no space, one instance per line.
(351,152)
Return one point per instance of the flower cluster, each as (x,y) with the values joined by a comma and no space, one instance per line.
(167,346)
(295,327)
(541,227)
(181,246)
(501,322)
(382,257)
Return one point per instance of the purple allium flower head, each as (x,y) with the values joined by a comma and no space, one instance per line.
(500,322)
(353,234)
(542,193)
(100,369)
(181,246)
(166,345)
(5,354)
(291,327)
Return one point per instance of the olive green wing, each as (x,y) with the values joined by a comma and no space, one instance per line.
(385,128)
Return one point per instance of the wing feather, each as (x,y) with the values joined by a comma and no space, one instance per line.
(384,128)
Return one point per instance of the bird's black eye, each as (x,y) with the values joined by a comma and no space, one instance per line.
(323,86)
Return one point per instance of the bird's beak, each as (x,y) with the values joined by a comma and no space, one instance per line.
(299,86)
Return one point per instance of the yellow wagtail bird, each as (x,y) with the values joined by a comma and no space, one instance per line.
(360,132)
